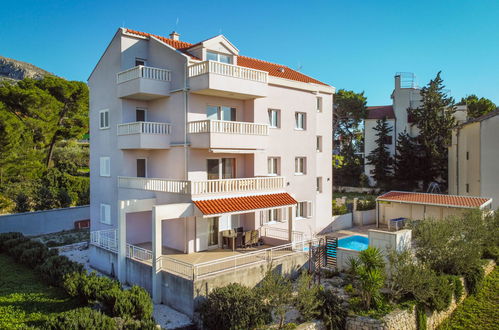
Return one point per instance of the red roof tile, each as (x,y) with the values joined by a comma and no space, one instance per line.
(273,69)
(380,112)
(434,199)
(245,203)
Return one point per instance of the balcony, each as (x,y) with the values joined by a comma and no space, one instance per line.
(143,83)
(227,135)
(144,135)
(227,80)
(204,187)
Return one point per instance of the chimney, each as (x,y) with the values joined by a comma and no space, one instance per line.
(397,81)
(175,36)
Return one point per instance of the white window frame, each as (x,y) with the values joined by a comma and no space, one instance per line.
(300,165)
(277,124)
(300,121)
(318,103)
(303,210)
(273,216)
(102,121)
(273,166)
(220,111)
(105,166)
(319,184)
(105,214)
(318,143)
(218,55)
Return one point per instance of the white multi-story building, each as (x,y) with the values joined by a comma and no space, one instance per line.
(406,96)
(196,148)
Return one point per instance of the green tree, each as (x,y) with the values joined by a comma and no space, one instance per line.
(435,120)
(406,165)
(347,173)
(380,157)
(276,293)
(349,111)
(477,106)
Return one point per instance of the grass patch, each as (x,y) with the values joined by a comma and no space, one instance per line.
(25,300)
(480,311)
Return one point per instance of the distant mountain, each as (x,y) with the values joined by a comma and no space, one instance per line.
(17,70)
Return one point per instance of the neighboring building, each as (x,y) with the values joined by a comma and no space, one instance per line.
(405,96)
(191,141)
(474,158)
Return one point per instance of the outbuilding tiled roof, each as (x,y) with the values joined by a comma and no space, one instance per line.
(380,112)
(435,199)
(244,203)
(273,69)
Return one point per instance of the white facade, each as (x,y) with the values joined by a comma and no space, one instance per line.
(170,126)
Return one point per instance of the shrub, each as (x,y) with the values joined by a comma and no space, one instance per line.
(276,292)
(142,307)
(372,258)
(474,278)
(421,318)
(116,302)
(8,245)
(34,256)
(56,267)
(457,285)
(307,300)
(8,236)
(233,307)
(332,312)
(442,290)
(366,204)
(87,287)
(339,209)
(81,319)
(491,252)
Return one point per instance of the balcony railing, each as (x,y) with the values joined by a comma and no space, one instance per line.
(108,240)
(282,234)
(203,187)
(228,70)
(146,72)
(228,127)
(144,127)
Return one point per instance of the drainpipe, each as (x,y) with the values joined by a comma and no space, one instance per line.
(457,161)
(186,107)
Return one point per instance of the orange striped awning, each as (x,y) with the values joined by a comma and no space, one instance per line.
(435,199)
(244,203)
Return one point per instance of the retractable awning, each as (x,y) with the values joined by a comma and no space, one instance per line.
(218,206)
(466,202)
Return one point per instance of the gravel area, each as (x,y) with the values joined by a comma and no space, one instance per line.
(166,317)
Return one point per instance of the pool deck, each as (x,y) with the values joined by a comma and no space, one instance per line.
(361,230)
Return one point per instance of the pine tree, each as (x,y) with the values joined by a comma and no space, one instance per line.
(435,120)
(380,157)
(406,166)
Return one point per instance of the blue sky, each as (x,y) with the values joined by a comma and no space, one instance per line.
(350,44)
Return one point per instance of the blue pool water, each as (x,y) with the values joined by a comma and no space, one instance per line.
(355,242)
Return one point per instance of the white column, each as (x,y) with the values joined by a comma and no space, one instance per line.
(121,260)
(156,256)
(291,219)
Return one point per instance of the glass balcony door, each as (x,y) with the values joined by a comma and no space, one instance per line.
(221,168)
(221,113)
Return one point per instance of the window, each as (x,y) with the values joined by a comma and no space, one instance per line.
(388,139)
(104,119)
(467,155)
(319,184)
(300,165)
(221,113)
(274,118)
(273,165)
(221,168)
(105,166)
(223,58)
(300,120)
(140,114)
(318,146)
(304,209)
(273,215)
(141,167)
(105,214)
(140,61)
(319,104)
(467,188)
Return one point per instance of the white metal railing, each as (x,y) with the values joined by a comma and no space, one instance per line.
(280,233)
(144,127)
(106,239)
(229,127)
(138,253)
(152,184)
(202,187)
(229,70)
(146,72)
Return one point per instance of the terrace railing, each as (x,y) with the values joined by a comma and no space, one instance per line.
(227,127)
(280,233)
(144,127)
(146,72)
(228,70)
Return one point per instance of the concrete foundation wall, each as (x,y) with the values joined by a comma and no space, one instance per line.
(43,222)
(343,256)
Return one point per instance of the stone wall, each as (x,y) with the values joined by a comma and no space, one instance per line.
(406,319)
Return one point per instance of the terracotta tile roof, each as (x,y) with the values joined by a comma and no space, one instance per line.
(380,112)
(273,69)
(434,199)
(245,203)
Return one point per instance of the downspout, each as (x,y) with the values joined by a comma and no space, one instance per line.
(186,107)
(457,161)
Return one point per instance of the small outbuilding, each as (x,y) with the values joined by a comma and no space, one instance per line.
(395,205)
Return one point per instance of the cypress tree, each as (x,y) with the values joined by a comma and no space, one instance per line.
(380,157)
(406,166)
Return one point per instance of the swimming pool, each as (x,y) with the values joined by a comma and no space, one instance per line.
(355,242)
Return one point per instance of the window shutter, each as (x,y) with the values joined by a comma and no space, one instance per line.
(105,214)
(102,166)
(106,117)
(309,209)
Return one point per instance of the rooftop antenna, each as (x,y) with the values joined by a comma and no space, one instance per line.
(299,67)
(176,24)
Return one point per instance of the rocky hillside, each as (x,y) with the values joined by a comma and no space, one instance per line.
(16,70)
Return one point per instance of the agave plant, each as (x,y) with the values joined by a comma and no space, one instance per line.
(372,258)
